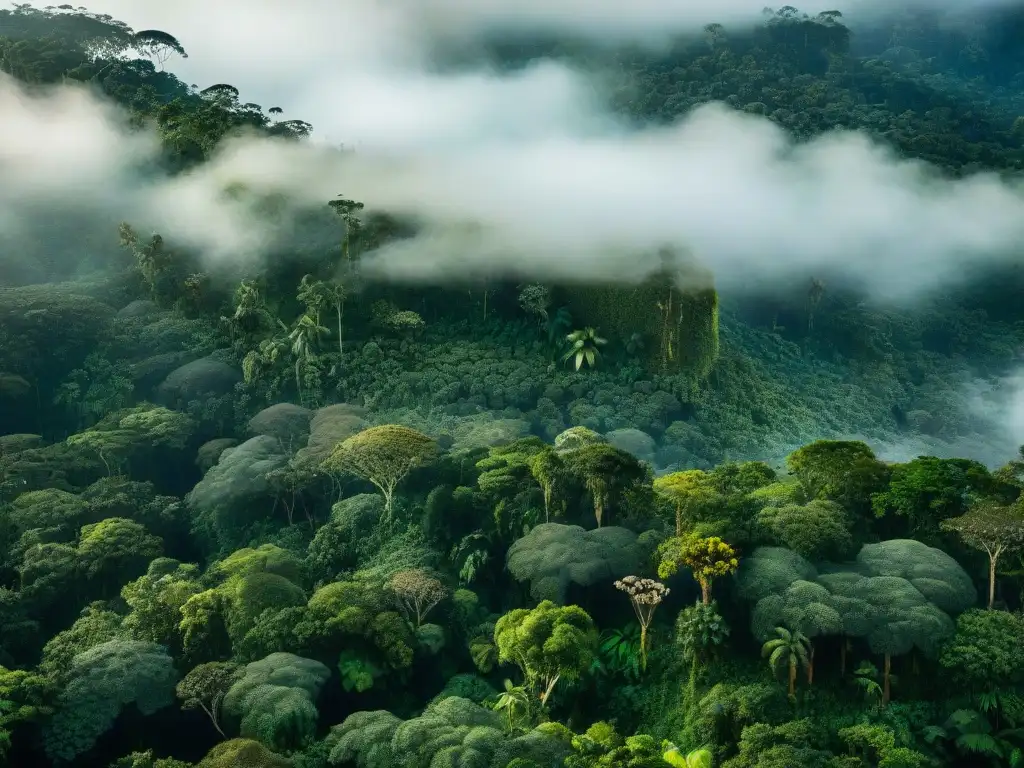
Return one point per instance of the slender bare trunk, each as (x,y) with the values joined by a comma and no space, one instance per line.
(213,719)
(810,667)
(548,689)
(886,686)
(341,343)
(992,560)
(705,591)
(792,677)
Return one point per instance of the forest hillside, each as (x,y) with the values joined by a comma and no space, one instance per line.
(626,393)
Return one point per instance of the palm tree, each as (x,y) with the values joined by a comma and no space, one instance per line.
(303,339)
(514,701)
(790,648)
(698,758)
(584,347)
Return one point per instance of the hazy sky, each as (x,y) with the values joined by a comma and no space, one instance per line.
(519,172)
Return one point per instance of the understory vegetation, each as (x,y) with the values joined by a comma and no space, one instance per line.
(292,517)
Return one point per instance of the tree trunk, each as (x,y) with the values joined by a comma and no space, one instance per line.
(298,378)
(643,646)
(213,719)
(679,521)
(792,677)
(992,580)
(842,658)
(810,666)
(886,687)
(705,591)
(547,690)
(598,509)
(341,344)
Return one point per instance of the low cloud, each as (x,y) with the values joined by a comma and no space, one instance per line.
(509,174)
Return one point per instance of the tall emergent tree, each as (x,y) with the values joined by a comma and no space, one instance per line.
(993,528)
(548,643)
(382,455)
(645,595)
(708,559)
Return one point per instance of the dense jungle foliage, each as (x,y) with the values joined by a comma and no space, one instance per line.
(296,518)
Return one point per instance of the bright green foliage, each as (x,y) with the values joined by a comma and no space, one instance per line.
(243,753)
(817,530)
(839,470)
(697,758)
(155,601)
(547,643)
(584,348)
(605,472)
(102,681)
(707,558)
(148,760)
(505,479)
(877,745)
(789,650)
(742,477)
(274,701)
(548,471)
(123,434)
(602,747)
(701,632)
(552,556)
(796,744)
(246,597)
(576,437)
(267,558)
(382,455)
(359,616)
(204,634)
(985,653)
(778,494)
(205,687)
(115,550)
(25,697)
(686,491)
(928,490)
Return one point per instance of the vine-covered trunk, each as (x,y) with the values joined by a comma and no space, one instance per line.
(810,666)
(643,646)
